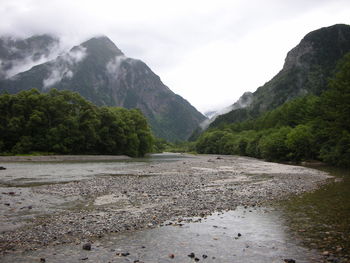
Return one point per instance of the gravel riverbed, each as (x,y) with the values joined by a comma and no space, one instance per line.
(143,196)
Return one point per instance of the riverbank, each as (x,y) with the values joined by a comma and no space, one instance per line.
(63,158)
(145,196)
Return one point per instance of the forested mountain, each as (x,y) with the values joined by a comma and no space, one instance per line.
(101,73)
(306,70)
(65,123)
(310,127)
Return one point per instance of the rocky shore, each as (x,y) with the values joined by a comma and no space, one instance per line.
(145,196)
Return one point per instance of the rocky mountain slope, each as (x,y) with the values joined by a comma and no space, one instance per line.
(18,55)
(306,70)
(101,73)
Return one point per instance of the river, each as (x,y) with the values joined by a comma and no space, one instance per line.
(312,227)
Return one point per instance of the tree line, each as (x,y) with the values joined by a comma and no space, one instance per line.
(63,122)
(311,127)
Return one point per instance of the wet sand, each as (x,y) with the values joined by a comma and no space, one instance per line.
(144,196)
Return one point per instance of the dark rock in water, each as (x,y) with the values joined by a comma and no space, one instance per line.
(289,260)
(85,258)
(2,168)
(192,255)
(196,259)
(123,254)
(42,260)
(87,246)
(239,235)
(171,256)
(204,256)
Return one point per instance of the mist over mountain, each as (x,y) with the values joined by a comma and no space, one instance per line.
(306,70)
(18,55)
(99,71)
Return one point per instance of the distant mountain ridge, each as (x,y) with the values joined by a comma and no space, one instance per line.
(306,70)
(99,71)
(18,55)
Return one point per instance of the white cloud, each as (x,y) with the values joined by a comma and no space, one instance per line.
(62,67)
(113,66)
(25,58)
(209,52)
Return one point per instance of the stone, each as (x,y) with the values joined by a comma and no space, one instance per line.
(87,246)
(192,255)
(289,260)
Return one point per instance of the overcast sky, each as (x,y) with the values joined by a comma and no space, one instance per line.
(209,52)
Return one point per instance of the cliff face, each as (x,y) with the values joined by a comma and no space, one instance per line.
(306,70)
(100,72)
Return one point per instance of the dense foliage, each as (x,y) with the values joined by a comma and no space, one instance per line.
(63,122)
(311,127)
(307,70)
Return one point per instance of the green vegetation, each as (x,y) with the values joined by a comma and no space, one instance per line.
(63,122)
(310,127)
(161,145)
(307,70)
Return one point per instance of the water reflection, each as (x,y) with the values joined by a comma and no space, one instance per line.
(322,218)
(23,174)
(243,235)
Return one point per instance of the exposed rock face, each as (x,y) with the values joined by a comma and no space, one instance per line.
(100,72)
(18,55)
(243,102)
(306,70)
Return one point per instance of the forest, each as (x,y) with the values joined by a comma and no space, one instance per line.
(62,122)
(306,128)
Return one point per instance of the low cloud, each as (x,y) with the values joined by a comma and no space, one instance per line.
(113,66)
(63,66)
(244,101)
(18,60)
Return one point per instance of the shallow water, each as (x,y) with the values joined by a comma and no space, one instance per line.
(27,174)
(318,220)
(321,219)
(244,235)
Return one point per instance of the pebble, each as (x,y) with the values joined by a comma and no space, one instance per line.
(180,192)
(87,246)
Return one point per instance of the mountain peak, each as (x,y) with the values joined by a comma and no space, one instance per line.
(102,44)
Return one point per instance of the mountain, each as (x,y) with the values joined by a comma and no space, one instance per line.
(18,54)
(101,73)
(306,70)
